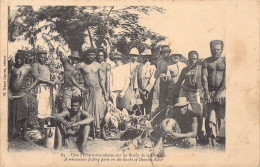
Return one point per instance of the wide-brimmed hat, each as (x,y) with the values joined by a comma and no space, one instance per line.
(91,50)
(134,51)
(117,55)
(75,55)
(147,52)
(176,54)
(165,48)
(181,101)
(139,101)
(42,52)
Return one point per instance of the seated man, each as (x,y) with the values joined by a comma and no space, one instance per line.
(73,126)
(182,129)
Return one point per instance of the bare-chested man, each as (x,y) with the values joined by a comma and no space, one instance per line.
(93,86)
(213,82)
(189,86)
(19,95)
(106,68)
(44,94)
(69,64)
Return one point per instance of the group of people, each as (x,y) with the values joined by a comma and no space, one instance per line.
(180,100)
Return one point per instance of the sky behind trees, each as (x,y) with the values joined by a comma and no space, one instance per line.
(186,26)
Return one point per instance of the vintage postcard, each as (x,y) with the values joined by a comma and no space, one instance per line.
(129,83)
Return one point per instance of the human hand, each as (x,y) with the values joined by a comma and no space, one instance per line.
(67,124)
(74,124)
(217,98)
(176,135)
(163,75)
(137,94)
(52,83)
(27,89)
(106,96)
(121,94)
(145,92)
(111,95)
(83,90)
(58,52)
(207,98)
(10,97)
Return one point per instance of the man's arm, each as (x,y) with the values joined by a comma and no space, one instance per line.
(222,86)
(126,85)
(35,75)
(60,118)
(180,80)
(101,77)
(88,119)
(157,72)
(223,83)
(192,134)
(73,80)
(108,78)
(204,78)
(63,59)
(152,80)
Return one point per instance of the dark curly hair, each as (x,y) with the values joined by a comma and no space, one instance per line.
(76,99)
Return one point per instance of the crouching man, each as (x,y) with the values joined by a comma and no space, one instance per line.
(180,128)
(73,126)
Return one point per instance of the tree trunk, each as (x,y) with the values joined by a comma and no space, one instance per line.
(90,37)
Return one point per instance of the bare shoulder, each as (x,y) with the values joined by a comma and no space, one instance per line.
(185,69)
(97,65)
(85,113)
(80,65)
(153,67)
(108,66)
(35,65)
(223,59)
(27,66)
(206,62)
(63,113)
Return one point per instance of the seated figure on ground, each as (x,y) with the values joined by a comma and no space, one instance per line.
(73,126)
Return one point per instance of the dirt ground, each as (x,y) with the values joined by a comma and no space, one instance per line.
(96,146)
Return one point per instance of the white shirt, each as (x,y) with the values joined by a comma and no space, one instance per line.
(118,77)
(112,64)
(174,71)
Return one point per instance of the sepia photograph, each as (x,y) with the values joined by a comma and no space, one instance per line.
(117,84)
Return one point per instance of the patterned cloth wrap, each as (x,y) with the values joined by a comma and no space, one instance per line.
(24,107)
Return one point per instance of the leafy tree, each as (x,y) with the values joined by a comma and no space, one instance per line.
(74,24)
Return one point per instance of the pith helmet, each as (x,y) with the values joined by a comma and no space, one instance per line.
(147,52)
(75,55)
(134,51)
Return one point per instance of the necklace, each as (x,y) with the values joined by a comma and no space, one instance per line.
(193,82)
